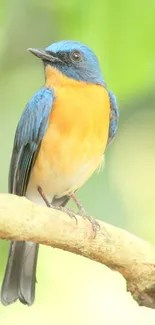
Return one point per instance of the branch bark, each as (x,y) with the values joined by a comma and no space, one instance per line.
(121,251)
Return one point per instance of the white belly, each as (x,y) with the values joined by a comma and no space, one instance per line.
(57,185)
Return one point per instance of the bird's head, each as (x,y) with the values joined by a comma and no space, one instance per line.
(73,59)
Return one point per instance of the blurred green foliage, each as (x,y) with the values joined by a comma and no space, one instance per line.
(121,33)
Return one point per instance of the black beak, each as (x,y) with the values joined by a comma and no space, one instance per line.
(45,55)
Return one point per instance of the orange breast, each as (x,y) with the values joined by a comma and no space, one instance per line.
(77,133)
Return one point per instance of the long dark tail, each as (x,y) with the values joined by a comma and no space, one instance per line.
(20,274)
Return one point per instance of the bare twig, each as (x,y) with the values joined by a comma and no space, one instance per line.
(121,251)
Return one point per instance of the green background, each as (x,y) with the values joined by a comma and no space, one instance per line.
(122,35)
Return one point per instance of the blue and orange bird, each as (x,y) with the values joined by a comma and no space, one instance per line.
(59,142)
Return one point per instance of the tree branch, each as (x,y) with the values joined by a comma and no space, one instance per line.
(121,251)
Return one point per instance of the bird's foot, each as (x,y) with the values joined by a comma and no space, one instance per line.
(94,223)
(49,205)
(70,212)
(82,212)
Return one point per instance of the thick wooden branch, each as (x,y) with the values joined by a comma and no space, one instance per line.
(134,258)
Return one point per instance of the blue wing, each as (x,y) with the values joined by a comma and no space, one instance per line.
(114,117)
(30,131)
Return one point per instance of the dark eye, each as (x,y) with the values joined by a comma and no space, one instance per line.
(76,56)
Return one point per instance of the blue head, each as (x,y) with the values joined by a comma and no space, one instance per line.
(73,59)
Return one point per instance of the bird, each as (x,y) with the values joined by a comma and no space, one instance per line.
(59,143)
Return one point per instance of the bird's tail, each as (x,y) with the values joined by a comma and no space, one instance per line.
(20,274)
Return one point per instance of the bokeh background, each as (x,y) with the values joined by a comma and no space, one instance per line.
(71,289)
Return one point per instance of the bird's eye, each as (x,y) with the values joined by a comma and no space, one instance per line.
(76,56)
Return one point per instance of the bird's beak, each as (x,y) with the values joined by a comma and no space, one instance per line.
(45,55)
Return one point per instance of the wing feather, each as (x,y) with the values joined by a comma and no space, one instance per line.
(114,117)
(30,131)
